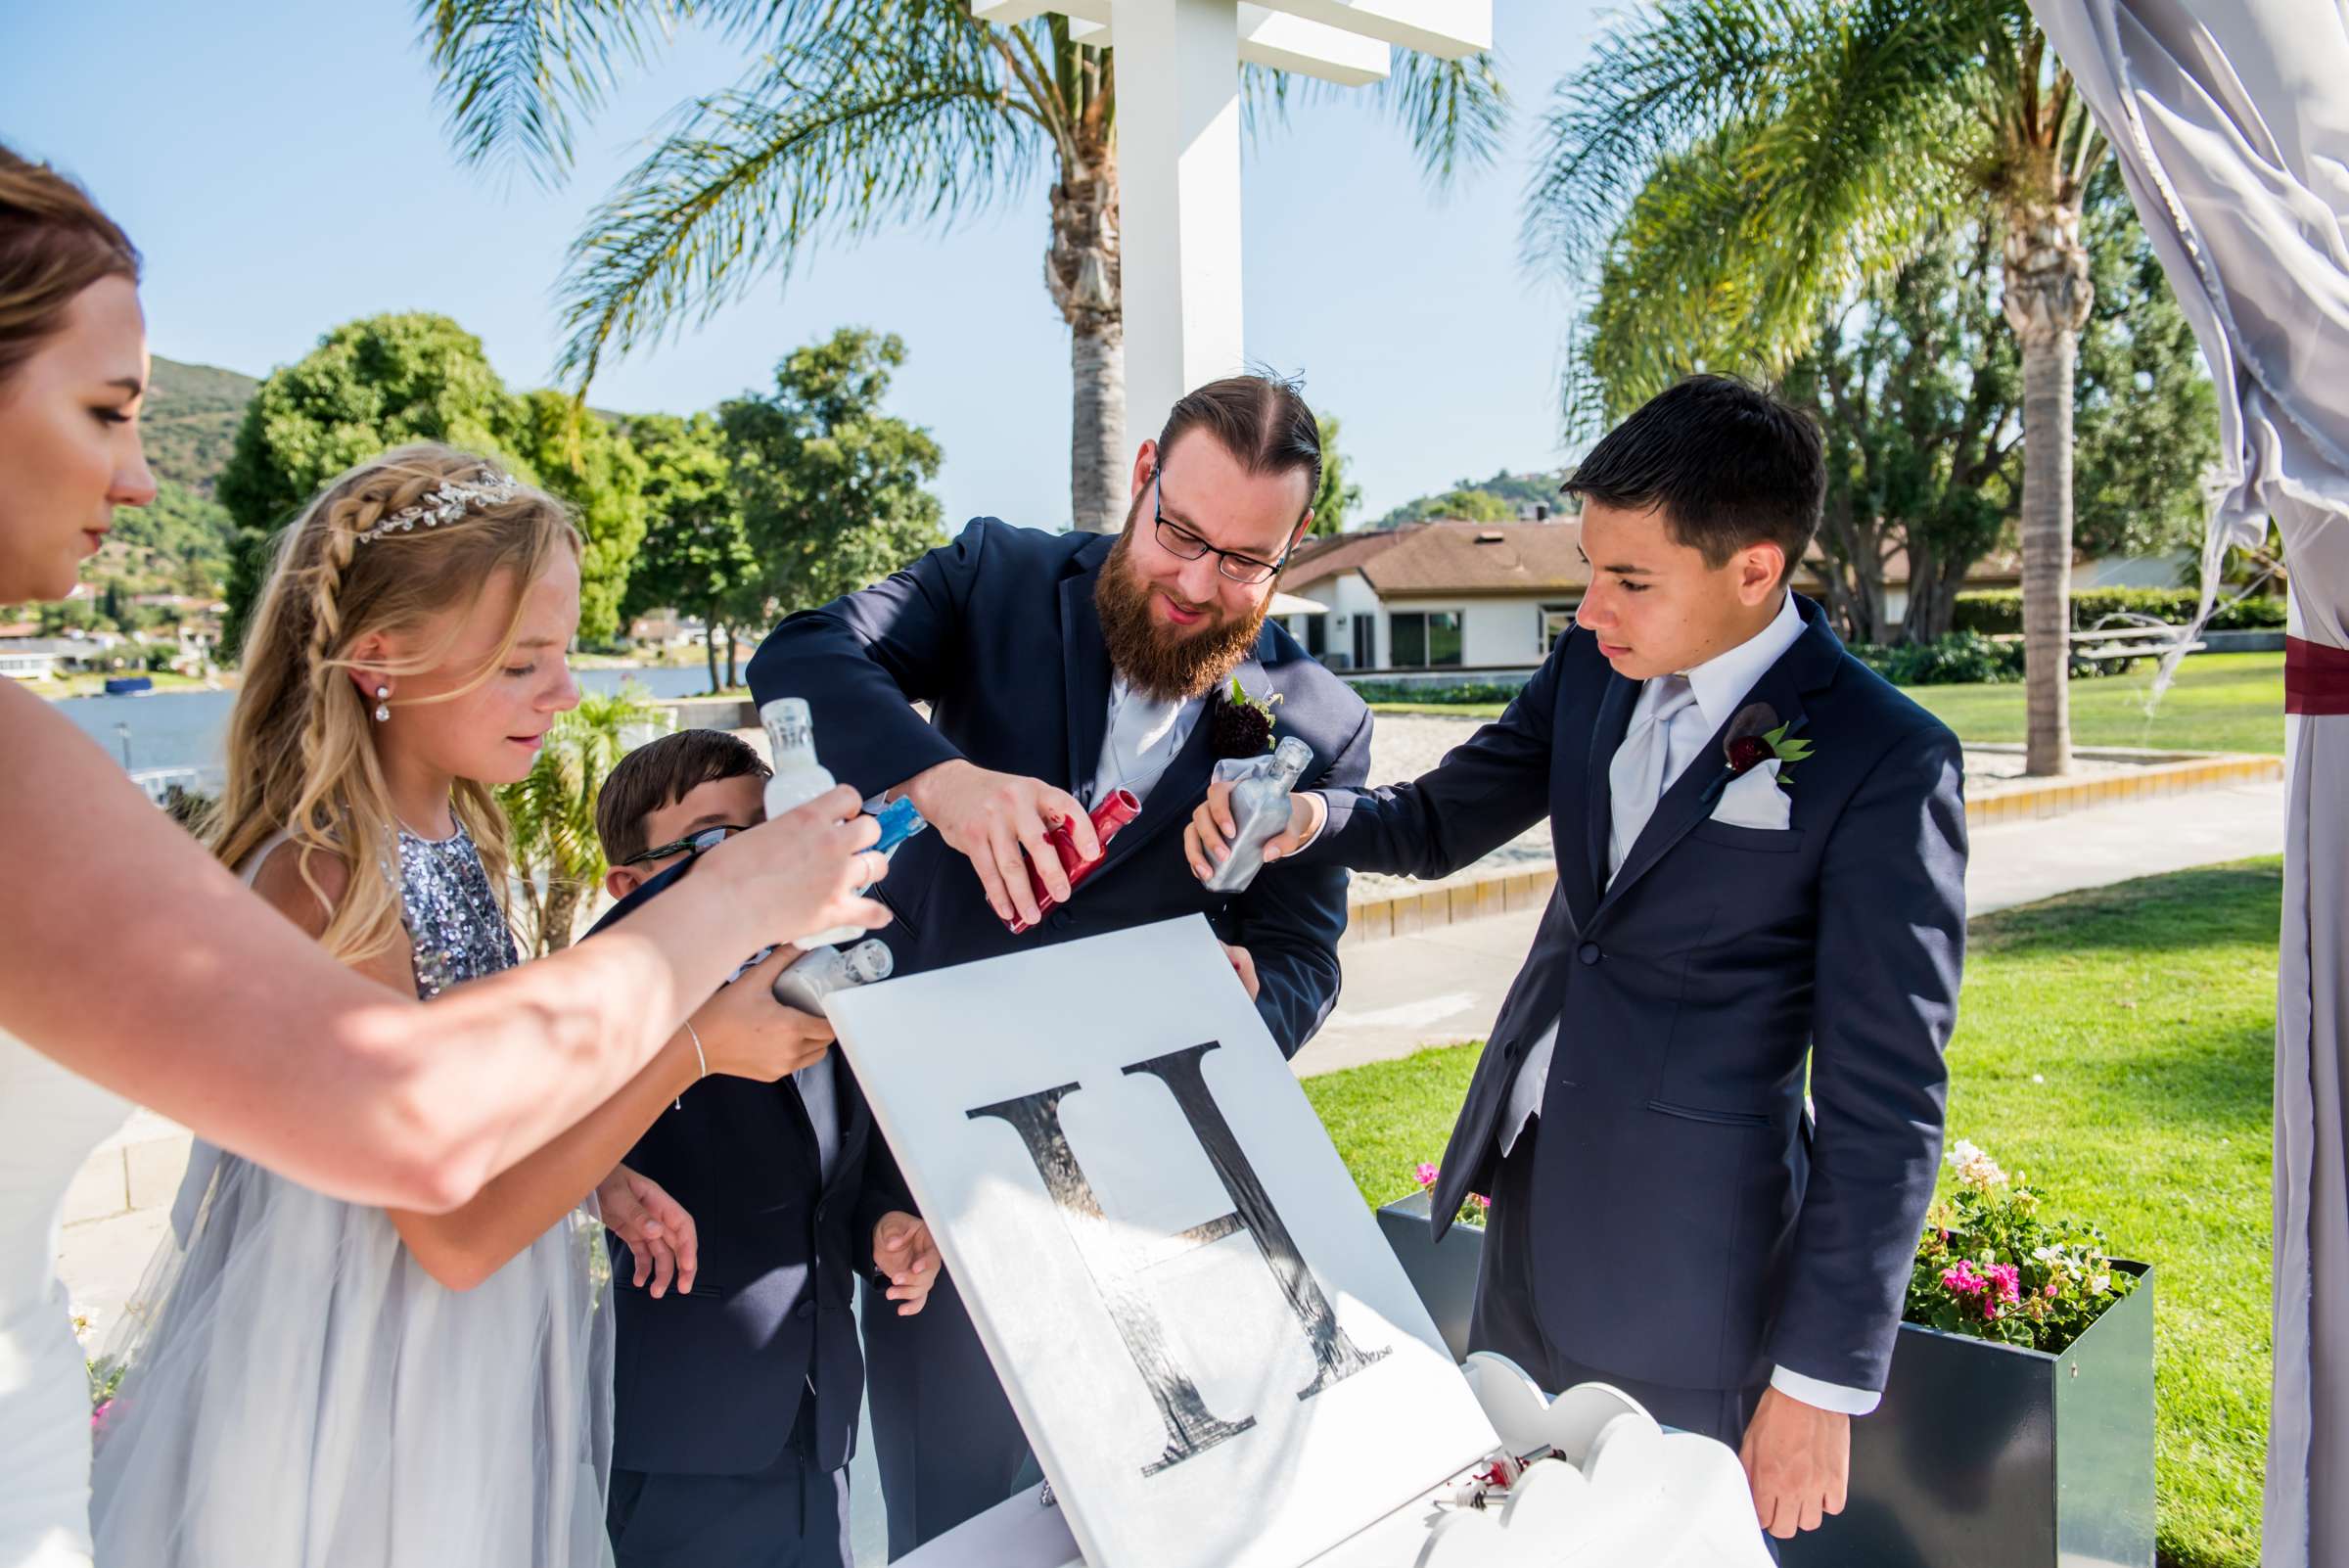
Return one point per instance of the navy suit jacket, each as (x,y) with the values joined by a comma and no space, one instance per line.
(708,1382)
(1693,1229)
(997,633)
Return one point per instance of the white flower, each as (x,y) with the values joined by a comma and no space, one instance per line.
(2100,1284)
(1974,1167)
(2046,1255)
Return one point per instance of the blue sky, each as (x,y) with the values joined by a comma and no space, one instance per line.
(284,168)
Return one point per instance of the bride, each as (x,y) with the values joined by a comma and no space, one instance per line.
(129,959)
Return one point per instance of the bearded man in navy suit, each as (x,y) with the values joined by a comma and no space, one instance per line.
(1057,668)
(1761,852)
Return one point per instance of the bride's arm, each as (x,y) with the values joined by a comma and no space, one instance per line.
(746,1034)
(129,955)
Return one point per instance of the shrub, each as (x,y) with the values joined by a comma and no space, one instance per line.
(1466,691)
(1999,612)
(1963,658)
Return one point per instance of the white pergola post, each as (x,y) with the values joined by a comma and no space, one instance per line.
(1179,149)
(1179,198)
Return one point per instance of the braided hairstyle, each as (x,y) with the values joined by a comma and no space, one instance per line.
(301,756)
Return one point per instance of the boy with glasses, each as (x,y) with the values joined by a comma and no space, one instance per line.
(735,1400)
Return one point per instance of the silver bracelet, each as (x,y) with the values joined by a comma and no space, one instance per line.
(698,1055)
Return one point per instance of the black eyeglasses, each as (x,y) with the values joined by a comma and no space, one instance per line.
(695,843)
(1179,541)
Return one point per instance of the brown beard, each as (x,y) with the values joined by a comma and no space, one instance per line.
(1156,660)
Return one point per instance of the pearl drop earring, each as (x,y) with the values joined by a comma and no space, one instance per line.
(383,710)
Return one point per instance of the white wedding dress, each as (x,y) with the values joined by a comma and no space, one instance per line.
(49,1122)
(301,1394)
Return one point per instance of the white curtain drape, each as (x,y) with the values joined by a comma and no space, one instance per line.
(2230,121)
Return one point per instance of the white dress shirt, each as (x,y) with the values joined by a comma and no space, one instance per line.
(1143,736)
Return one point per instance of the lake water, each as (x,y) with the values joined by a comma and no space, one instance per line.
(184,729)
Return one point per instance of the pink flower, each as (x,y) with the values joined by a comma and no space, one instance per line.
(2006,1280)
(2055,1288)
(1960,1279)
(1425,1173)
(98,1416)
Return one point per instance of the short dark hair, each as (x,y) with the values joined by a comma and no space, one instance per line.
(1260,419)
(660,774)
(1730,465)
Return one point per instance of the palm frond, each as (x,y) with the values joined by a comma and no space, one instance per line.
(558,861)
(1455,112)
(1654,85)
(514,75)
(831,141)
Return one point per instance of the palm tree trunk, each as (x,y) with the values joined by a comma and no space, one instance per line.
(562,914)
(2047,302)
(1081,270)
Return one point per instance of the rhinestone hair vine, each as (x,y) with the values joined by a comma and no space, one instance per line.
(450,502)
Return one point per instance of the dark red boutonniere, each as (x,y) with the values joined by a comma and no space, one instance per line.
(1756,737)
(1243,725)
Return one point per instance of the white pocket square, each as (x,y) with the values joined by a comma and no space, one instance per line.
(1753,799)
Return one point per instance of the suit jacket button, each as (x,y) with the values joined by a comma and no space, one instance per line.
(1059,920)
(1587,952)
(804,1310)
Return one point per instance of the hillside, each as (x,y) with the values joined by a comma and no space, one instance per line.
(191,421)
(1498,499)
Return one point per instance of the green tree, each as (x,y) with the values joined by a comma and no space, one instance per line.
(1916,385)
(858,114)
(831,488)
(369,385)
(578,454)
(1739,164)
(1336,497)
(696,558)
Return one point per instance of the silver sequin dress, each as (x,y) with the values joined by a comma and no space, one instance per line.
(303,1394)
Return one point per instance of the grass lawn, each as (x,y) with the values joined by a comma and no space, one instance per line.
(2220,703)
(2114,1047)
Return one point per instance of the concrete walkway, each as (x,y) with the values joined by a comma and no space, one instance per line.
(1443,985)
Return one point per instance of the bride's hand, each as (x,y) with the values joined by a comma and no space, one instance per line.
(745,1032)
(799,872)
(659,1233)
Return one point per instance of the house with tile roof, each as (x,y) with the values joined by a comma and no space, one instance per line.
(1458,595)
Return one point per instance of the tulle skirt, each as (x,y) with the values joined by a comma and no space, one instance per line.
(301,1393)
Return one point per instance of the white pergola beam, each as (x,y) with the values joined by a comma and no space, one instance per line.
(1450,28)
(1269,35)
(1287,42)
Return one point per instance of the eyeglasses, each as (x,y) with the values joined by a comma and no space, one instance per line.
(695,843)
(1179,541)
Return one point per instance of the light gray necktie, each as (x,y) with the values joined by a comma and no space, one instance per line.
(1643,767)
(822,1101)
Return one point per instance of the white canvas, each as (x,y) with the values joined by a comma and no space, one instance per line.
(1145,1479)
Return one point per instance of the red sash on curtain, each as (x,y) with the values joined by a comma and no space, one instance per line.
(2315,678)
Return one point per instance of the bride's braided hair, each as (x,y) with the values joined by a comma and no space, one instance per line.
(302,756)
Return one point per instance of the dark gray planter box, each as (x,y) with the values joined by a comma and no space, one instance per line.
(1443,1271)
(1982,1456)
(1987,1454)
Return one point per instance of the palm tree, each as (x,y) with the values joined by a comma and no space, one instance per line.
(558,861)
(1732,165)
(859,113)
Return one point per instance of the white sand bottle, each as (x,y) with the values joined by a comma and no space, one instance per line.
(799,778)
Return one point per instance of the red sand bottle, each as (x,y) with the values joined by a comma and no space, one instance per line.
(1117,808)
